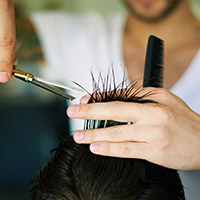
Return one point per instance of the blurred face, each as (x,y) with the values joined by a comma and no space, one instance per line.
(151,10)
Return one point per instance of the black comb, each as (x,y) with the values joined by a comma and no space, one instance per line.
(153,72)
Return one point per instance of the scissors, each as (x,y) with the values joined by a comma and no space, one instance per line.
(53,87)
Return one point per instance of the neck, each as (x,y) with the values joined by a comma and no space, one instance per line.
(170,29)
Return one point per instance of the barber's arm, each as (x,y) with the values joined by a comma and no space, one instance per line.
(28,44)
(167,133)
(7,39)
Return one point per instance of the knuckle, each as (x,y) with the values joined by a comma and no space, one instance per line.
(85,109)
(114,106)
(161,91)
(158,91)
(126,150)
(164,130)
(5,63)
(107,149)
(88,135)
(7,41)
(115,133)
(162,133)
(162,140)
(165,94)
(164,113)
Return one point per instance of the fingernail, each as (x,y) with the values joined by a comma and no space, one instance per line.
(72,110)
(94,147)
(4,77)
(79,135)
(85,99)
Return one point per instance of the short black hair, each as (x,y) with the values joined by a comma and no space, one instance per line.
(74,173)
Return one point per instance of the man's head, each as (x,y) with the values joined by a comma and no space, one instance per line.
(74,173)
(152,10)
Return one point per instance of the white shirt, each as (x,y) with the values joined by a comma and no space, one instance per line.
(74,43)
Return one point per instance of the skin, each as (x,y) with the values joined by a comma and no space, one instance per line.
(179,30)
(7,39)
(151,10)
(168,134)
(25,30)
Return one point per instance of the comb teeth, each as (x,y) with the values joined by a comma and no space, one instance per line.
(153,73)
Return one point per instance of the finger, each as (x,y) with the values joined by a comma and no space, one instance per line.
(85,99)
(122,133)
(121,150)
(116,110)
(7,39)
(160,95)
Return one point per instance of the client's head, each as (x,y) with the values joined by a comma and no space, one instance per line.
(74,173)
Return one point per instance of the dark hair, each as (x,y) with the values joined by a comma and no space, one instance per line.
(74,173)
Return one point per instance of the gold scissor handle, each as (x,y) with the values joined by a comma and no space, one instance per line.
(25,76)
(30,78)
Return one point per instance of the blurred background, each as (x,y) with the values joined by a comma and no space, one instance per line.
(32,120)
(102,6)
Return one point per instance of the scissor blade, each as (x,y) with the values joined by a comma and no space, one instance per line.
(52,89)
(59,85)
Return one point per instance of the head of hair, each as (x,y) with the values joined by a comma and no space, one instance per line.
(74,173)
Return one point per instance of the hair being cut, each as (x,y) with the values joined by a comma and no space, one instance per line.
(74,173)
